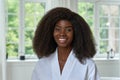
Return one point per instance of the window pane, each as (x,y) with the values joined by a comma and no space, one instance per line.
(29,8)
(114,34)
(104,22)
(28,41)
(82,8)
(29,21)
(29,35)
(117,46)
(12,50)
(13,6)
(114,22)
(106,10)
(104,33)
(103,46)
(28,49)
(86,10)
(40,9)
(89,20)
(12,36)
(13,21)
(33,11)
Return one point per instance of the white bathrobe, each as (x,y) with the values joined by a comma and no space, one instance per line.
(47,68)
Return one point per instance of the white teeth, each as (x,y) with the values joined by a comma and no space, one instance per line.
(62,40)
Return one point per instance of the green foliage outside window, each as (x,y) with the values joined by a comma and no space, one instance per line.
(12,28)
(86,10)
(33,13)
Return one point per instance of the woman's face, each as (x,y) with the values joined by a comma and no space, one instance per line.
(63,33)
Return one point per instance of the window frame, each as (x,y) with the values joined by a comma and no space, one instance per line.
(96,23)
(21,28)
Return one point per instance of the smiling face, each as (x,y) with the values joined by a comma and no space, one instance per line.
(63,33)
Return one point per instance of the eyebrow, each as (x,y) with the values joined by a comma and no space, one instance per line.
(64,26)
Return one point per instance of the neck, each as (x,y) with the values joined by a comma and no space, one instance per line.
(64,52)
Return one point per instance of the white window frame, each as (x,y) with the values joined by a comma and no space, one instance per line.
(96,23)
(21,29)
(22,26)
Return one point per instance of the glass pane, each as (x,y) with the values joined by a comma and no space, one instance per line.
(90,21)
(89,9)
(106,10)
(103,46)
(104,22)
(114,10)
(114,34)
(82,8)
(114,22)
(117,46)
(29,21)
(29,35)
(38,18)
(29,8)
(12,36)
(13,6)
(39,9)
(33,15)
(117,33)
(35,8)
(104,33)
(12,50)
(28,41)
(28,49)
(85,8)
(13,21)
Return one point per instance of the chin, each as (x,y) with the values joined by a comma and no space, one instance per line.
(63,46)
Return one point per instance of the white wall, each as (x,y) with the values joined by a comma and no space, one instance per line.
(108,68)
(22,70)
(0,72)
(2,41)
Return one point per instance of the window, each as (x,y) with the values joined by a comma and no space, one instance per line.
(104,21)
(12,28)
(22,17)
(109,28)
(86,10)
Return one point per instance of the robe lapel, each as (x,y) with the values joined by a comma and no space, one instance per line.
(68,67)
(55,67)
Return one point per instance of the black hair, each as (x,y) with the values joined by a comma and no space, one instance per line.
(83,41)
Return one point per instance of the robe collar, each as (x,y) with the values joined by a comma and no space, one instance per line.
(68,67)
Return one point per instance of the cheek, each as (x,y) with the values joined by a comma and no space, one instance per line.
(70,37)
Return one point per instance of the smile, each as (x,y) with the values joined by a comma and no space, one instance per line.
(62,40)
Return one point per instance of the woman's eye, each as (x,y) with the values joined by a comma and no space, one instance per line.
(68,29)
(57,29)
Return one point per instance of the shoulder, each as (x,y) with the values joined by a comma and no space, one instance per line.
(90,62)
(45,61)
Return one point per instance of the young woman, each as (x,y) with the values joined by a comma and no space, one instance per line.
(65,45)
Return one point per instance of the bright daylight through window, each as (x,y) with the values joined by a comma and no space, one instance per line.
(21,23)
(22,17)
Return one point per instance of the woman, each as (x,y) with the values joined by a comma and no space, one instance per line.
(65,45)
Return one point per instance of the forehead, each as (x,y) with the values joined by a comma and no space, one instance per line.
(63,23)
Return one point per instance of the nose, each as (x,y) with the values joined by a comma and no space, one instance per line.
(62,32)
